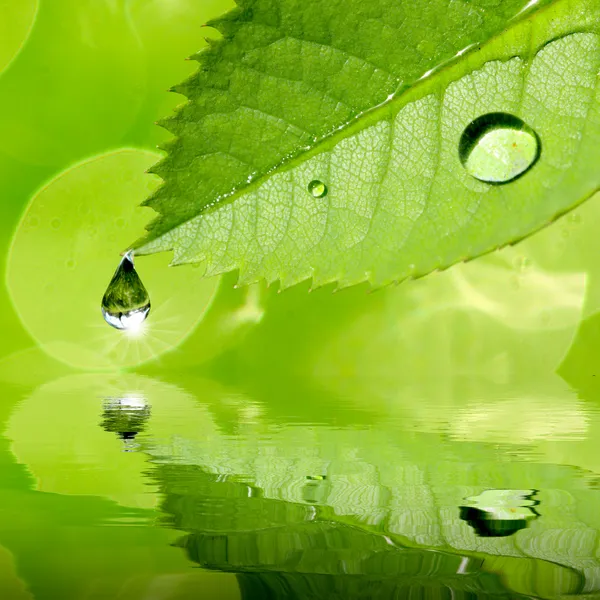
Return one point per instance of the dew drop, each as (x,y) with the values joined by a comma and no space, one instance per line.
(317,188)
(126,302)
(498,148)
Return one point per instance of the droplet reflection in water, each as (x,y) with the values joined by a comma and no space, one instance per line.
(499,513)
(498,148)
(317,188)
(126,302)
(126,417)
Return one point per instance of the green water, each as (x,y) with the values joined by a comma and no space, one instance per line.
(253,444)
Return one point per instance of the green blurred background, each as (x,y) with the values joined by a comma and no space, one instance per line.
(310,434)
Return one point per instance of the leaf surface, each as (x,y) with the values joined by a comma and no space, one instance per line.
(372,99)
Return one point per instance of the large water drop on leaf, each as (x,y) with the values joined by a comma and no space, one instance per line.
(126,302)
(498,148)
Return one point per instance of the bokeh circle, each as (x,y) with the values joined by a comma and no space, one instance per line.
(65,251)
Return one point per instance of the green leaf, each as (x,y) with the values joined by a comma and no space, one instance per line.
(292,96)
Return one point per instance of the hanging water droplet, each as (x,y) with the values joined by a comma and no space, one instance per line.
(498,148)
(126,302)
(317,188)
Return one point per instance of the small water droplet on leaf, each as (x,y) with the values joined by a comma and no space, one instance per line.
(126,302)
(498,148)
(317,188)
